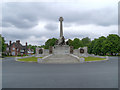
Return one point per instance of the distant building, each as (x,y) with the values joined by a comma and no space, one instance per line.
(30,51)
(16,48)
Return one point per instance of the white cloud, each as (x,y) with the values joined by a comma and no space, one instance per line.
(36,40)
(36,22)
(92,31)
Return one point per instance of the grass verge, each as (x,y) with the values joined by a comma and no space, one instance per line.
(93,59)
(14,56)
(33,59)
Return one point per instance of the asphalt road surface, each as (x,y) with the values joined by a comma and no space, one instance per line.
(34,75)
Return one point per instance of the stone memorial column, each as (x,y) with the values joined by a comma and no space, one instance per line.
(61,28)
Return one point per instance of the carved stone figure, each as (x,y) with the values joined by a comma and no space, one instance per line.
(61,40)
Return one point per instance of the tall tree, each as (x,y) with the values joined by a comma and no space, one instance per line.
(111,44)
(86,41)
(103,45)
(91,45)
(2,44)
(70,42)
(50,42)
(98,45)
(77,43)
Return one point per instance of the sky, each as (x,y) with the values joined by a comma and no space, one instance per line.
(36,22)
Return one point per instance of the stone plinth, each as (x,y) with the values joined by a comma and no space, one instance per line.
(64,49)
(39,52)
(83,52)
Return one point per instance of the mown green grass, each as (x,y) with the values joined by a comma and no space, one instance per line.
(13,56)
(33,59)
(93,58)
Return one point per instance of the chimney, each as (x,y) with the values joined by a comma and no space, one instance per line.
(26,44)
(18,41)
(26,49)
(10,42)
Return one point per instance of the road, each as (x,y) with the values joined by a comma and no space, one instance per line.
(34,75)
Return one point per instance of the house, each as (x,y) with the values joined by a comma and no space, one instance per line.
(30,51)
(16,48)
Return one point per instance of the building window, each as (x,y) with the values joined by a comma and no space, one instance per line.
(7,49)
(13,53)
(13,48)
(22,51)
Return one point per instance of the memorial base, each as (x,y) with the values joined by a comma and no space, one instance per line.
(64,49)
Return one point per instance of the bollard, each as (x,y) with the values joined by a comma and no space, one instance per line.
(82,60)
(39,60)
(107,57)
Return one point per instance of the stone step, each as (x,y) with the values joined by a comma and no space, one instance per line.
(61,58)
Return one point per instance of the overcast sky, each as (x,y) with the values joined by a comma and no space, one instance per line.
(35,22)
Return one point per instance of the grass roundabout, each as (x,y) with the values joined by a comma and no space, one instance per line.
(94,59)
(29,59)
(34,59)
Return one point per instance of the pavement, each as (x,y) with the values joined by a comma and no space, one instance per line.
(83,75)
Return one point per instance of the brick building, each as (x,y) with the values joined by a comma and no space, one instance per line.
(16,48)
(30,51)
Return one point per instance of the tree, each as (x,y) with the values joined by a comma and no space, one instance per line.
(86,41)
(112,44)
(2,44)
(91,45)
(98,45)
(70,42)
(103,45)
(77,43)
(42,46)
(32,47)
(50,42)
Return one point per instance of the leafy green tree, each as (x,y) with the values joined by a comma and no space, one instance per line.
(32,47)
(98,45)
(50,42)
(111,44)
(77,43)
(70,42)
(91,45)
(86,41)
(103,45)
(42,46)
(2,44)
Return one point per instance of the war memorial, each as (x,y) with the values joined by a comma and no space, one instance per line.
(62,65)
(61,52)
